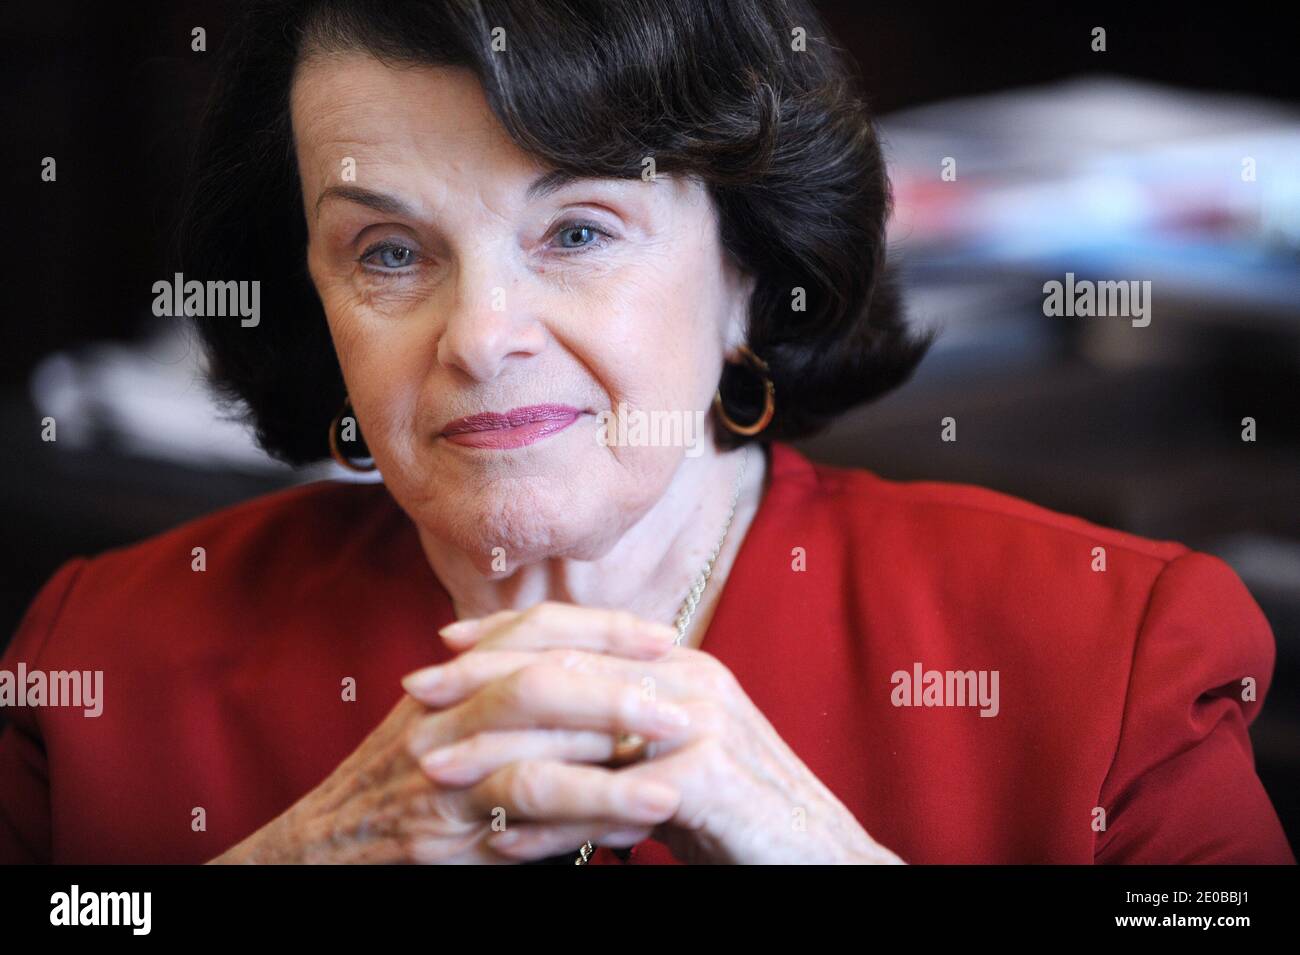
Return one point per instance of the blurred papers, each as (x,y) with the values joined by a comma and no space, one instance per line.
(151,400)
(1105,176)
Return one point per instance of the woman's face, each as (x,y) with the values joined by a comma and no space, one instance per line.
(453,289)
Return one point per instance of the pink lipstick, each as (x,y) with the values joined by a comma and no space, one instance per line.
(514,429)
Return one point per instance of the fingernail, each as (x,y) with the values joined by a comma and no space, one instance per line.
(460,628)
(507,837)
(422,680)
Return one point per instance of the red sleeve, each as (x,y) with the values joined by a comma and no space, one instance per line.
(1182,787)
(24,780)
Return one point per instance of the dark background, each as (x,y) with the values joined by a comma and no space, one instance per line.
(1137,431)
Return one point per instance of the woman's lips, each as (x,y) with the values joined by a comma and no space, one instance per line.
(514,429)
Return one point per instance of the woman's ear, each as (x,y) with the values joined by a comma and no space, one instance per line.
(736,332)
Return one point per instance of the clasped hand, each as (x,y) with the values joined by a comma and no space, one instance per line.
(497,756)
(520,723)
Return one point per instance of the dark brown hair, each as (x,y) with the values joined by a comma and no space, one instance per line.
(715,89)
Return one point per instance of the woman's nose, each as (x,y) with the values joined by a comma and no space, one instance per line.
(490,321)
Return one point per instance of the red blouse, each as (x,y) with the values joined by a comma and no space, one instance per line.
(1119,691)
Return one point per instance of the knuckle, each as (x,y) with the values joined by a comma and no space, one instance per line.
(524,686)
(564,659)
(710,719)
(628,703)
(527,788)
(534,680)
(719,682)
(623,623)
(509,692)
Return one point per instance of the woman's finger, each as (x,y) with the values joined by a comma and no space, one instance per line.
(449,683)
(553,792)
(545,695)
(471,760)
(530,841)
(557,625)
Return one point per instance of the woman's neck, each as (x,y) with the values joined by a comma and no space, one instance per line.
(649,570)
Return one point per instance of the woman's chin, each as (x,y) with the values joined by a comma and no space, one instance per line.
(500,533)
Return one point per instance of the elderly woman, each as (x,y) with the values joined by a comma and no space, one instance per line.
(494,240)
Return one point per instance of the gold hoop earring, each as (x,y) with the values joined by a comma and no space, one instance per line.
(769,399)
(335,452)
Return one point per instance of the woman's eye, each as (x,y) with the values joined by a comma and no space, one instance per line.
(388,256)
(580,235)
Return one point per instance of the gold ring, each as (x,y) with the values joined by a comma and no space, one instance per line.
(628,748)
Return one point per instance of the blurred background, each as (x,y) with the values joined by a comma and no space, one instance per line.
(1125,164)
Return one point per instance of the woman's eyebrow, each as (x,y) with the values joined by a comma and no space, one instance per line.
(541,187)
(379,201)
(557,179)
(548,183)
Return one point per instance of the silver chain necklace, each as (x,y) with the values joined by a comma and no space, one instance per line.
(692,601)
